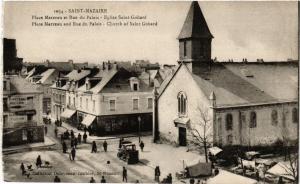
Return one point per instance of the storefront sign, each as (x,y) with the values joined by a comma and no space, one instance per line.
(17,119)
(26,112)
(17,100)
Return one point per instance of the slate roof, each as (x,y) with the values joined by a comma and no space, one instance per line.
(22,86)
(45,75)
(268,82)
(76,75)
(195,25)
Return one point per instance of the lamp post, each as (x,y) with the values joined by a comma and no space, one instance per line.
(139,120)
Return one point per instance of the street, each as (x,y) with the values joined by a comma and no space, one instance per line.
(87,164)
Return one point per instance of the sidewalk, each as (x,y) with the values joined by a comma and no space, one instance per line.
(90,139)
(47,142)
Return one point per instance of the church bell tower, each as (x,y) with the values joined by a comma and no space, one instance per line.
(195,38)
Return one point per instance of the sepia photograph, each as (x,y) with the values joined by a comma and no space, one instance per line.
(190,92)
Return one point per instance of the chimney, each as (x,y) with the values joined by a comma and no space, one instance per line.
(108,65)
(87,83)
(212,99)
(115,66)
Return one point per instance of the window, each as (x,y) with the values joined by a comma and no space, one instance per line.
(29,117)
(80,101)
(274,117)
(252,120)
(94,104)
(4,85)
(184,48)
(229,139)
(229,122)
(112,105)
(150,102)
(5,105)
(74,101)
(181,104)
(135,86)
(86,103)
(69,100)
(135,104)
(295,115)
(5,118)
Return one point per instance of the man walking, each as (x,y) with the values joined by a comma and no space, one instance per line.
(84,137)
(79,138)
(94,147)
(142,145)
(103,180)
(56,179)
(73,152)
(22,167)
(105,146)
(156,173)
(38,161)
(64,145)
(124,174)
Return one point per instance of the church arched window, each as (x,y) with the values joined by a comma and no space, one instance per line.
(182,103)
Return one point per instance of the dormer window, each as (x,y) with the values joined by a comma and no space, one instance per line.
(135,87)
(184,48)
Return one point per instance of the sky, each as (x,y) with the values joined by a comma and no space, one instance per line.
(251,30)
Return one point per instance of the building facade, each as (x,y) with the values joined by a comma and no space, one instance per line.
(22,112)
(227,103)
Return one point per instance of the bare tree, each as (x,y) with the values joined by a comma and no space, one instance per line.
(291,156)
(201,131)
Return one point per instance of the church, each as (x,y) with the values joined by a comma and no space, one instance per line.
(227,103)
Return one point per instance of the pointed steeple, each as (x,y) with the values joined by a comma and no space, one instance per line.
(195,25)
(195,38)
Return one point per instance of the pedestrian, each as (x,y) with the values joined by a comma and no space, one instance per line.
(75,142)
(79,138)
(56,179)
(92,180)
(67,134)
(90,130)
(156,173)
(46,130)
(120,142)
(94,147)
(257,175)
(22,167)
(62,138)
(85,129)
(64,145)
(72,134)
(38,161)
(105,146)
(198,182)
(142,145)
(137,181)
(280,180)
(192,181)
(84,137)
(73,152)
(216,171)
(103,180)
(55,131)
(124,174)
(169,178)
(72,143)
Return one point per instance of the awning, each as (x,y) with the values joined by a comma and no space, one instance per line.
(214,150)
(283,169)
(225,177)
(197,168)
(181,121)
(67,113)
(88,120)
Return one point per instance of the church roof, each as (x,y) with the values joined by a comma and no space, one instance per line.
(195,25)
(237,84)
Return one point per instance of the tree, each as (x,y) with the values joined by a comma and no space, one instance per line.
(291,158)
(201,130)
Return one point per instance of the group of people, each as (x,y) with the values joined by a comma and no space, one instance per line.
(103,180)
(94,146)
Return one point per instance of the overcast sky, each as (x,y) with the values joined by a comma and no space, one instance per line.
(241,29)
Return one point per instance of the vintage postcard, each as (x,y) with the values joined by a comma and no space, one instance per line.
(150,92)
